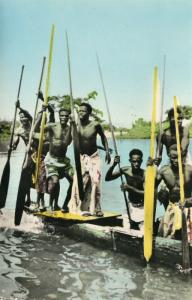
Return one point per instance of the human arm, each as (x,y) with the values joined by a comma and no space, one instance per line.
(185,141)
(25,112)
(159,149)
(110,175)
(127,187)
(49,107)
(16,140)
(104,142)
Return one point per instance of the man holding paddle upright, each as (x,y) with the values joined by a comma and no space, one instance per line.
(134,186)
(88,130)
(57,164)
(168,137)
(23,132)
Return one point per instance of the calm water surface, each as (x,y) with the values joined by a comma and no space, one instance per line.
(37,263)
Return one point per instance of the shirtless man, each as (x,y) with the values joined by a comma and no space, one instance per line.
(135,177)
(57,164)
(22,132)
(168,137)
(170,175)
(88,131)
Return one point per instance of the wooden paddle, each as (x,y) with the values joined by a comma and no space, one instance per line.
(185,244)
(150,180)
(160,122)
(76,145)
(6,172)
(43,120)
(113,136)
(25,177)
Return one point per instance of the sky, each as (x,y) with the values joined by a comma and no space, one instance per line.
(130,37)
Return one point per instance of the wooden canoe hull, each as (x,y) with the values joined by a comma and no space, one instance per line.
(108,233)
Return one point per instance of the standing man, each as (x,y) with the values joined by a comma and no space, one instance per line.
(22,132)
(88,131)
(134,186)
(57,164)
(168,137)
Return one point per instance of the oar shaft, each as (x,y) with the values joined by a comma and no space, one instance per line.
(15,113)
(181,177)
(185,245)
(76,144)
(112,133)
(45,102)
(161,107)
(36,104)
(70,80)
(4,184)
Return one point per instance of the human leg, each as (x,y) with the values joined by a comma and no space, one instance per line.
(68,196)
(54,189)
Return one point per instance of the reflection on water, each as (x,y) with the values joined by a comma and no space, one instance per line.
(53,266)
(37,263)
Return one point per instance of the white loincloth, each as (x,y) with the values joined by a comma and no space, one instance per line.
(91,173)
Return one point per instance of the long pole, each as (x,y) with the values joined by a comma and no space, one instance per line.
(76,146)
(150,179)
(185,245)
(161,107)
(41,138)
(6,172)
(25,177)
(113,135)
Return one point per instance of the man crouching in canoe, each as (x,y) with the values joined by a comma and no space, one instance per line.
(135,177)
(171,222)
(57,164)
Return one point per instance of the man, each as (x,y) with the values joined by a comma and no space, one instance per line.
(168,137)
(88,130)
(23,132)
(41,184)
(171,221)
(57,164)
(135,177)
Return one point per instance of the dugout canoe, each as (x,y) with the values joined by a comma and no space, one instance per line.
(107,232)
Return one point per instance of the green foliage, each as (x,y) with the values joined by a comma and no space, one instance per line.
(5,127)
(186,110)
(64,102)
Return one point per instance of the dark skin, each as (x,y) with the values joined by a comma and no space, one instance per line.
(59,135)
(23,132)
(88,131)
(134,178)
(170,175)
(168,137)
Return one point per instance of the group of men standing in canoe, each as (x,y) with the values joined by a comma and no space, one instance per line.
(55,165)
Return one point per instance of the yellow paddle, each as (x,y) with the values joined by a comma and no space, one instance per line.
(150,179)
(45,103)
(185,245)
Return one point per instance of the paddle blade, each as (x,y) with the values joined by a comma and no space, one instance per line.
(185,245)
(4,184)
(78,163)
(149,211)
(24,186)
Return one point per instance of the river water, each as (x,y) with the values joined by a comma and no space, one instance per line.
(38,263)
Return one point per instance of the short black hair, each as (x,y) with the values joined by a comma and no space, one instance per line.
(89,107)
(65,109)
(135,152)
(171,112)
